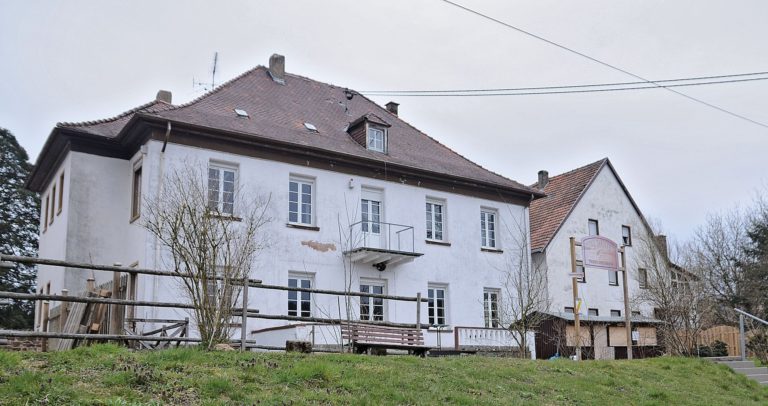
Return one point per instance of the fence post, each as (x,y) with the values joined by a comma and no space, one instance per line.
(114,320)
(244,317)
(44,340)
(63,311)
(742,339)
(131,294)
(418,310)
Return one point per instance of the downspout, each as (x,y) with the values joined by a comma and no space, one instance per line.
(160,175)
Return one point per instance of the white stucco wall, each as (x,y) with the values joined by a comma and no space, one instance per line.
(606,202)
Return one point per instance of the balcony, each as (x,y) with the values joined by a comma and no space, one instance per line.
(381,244)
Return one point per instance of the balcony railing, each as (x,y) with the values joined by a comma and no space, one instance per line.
(378,242)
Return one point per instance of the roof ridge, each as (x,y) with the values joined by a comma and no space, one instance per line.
(220,87)
(114,118)
(601,161)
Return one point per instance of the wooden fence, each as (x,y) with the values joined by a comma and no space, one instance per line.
(727,334)
(110,312)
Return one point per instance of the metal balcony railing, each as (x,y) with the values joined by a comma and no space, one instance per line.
(378,235)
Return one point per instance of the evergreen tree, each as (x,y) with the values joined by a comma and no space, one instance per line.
(19,224)
(757,269)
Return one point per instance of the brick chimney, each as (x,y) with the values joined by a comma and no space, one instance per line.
(277,68)
(164,96)
(392,107)
(543,179)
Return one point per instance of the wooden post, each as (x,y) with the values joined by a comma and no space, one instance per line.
(44,340)
(63,311)
(114,319)
(418,310)
(244,316)
(90,284)
(574,283)
(131,295)
(627,311)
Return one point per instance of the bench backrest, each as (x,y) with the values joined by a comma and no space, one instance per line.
(372,334)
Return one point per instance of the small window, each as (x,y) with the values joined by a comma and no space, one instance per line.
(435,220)
(136,194)
(53,204)
(221,188)
(372,308)
(488,228)
(583,278)
(569,309)
(310,127)
(636,313)
(593,227)
(45,213)
(626,235)
(593,312)
(61,193)
(491,308)
(642,277)
(377,139)
(613,278)
(300,201)
(436,305)
(241,113)
(615,313)
(299,303)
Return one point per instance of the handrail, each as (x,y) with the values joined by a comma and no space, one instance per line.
(751,316)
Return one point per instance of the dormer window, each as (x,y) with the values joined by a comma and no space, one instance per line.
(377,138)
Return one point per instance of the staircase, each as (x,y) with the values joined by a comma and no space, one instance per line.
(747,368)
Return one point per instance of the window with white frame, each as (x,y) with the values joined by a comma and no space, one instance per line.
(372,308)
(491,307)
(222,180)
(488,228)
(435,219)
(300,200)
(594,228)
(436,304)
(377,139)
(613,278)
(299,303)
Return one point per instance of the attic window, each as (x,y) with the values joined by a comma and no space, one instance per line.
(241,113)
(376,139)
(311,127)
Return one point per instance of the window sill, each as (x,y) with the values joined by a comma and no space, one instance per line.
(302,226)
(613,284)
(491,250)
(438,242)
(224,217)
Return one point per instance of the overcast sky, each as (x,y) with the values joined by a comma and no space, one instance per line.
(78,60)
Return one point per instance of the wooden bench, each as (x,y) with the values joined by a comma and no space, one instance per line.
(365,337)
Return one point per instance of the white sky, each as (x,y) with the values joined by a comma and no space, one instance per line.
(78,60)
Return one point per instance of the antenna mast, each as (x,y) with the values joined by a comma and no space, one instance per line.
(208,86)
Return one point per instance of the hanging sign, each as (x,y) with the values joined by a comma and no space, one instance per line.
(600,252)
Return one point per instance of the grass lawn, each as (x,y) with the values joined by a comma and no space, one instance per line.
(111,375)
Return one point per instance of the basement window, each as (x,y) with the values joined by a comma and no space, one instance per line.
(241,113)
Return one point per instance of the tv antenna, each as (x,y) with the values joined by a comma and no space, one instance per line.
(207,86)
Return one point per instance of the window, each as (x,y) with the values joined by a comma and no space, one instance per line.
(436,304)
(136,194)
(377,139)
(45,214)
(613,278)
(372,308)
(300,201)
(221,189)
(299,303)
(593,312)
(53,204)
(626,235)
(583,277)
(435,219)
(593,227)
(488,229)
(371,216)
(642,276)
(61,193)
(635,313)
(569,309)
(491,308)
(615,313)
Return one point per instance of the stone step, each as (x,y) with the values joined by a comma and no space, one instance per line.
(738,364)
(759,377)
(719,359)
(752,371)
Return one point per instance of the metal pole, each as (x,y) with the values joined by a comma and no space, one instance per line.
(576,318)
(244,317)
(627,312)
(742,339)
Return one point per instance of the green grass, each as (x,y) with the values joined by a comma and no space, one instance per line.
(110,375)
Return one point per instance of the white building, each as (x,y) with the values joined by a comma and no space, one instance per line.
(591,200)
(330,158)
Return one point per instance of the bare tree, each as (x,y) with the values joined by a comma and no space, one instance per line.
(211,239)
(524,287)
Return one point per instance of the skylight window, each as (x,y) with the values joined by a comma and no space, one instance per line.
(241,113)
(310,127)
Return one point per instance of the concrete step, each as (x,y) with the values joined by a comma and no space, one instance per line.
(738,364)
(719,359)
(759,377)
(752,371)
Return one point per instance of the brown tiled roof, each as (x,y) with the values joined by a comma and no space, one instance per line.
(110,127)
(563,192)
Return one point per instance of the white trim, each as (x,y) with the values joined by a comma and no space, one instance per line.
(301,180)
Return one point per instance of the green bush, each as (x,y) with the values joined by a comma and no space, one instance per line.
(758,344)
(717,349)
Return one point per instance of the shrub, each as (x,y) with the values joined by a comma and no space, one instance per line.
(758,344)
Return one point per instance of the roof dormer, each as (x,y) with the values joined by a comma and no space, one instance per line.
(370,131)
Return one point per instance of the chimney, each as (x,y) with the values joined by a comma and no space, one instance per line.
(392,107)
(163,96)
(543,179)
(277,68)
(661,242)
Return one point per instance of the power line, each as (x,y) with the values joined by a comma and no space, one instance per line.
(522,91)
(606,64)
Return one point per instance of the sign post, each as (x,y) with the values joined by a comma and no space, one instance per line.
(627,312)
(576,319)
